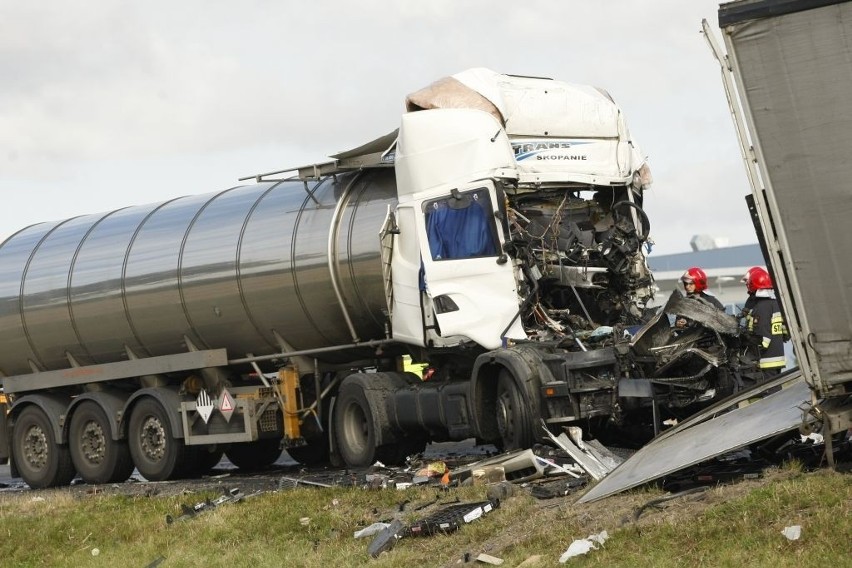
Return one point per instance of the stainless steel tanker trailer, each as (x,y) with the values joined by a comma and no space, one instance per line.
(495,238)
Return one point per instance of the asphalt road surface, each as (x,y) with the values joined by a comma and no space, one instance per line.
(226,476)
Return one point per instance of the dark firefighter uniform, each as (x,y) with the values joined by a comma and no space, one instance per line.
(763,318)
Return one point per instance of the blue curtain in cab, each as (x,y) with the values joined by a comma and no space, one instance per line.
(460,232)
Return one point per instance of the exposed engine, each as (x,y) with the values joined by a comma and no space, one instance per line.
(583,258)
(588,289)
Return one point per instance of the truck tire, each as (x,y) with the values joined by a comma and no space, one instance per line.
(156,453)
(96,456)
(354,427)
(359,412)
(362,429)
(203,458)
(313,453)
(513,417)
(250,456)
(40,460)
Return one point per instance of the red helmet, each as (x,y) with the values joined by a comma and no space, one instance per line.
(756,278)
(697,276)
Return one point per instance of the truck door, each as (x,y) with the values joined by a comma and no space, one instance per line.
(466,277)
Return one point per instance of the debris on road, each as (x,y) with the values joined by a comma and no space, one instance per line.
(449,518)
(386,539)
(488,559)
(230,496)
(584,545)
(792,532)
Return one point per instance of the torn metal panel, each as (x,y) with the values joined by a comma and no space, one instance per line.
(706,314)
(767,417)
(603,455)
(588,462)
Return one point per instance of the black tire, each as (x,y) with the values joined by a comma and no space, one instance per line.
(354,427)
(513,417)
(96,456)
(202,459)
(251,456)
(358,413)
(40,460)
(156,453)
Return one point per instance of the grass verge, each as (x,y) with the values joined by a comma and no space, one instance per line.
(736,525)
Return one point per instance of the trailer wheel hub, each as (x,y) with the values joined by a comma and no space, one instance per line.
(153,440)
(93,442)
(36,447)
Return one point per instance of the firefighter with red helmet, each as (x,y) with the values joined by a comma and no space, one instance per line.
(763,319)
(694,282)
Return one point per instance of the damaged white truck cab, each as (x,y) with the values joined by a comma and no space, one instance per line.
(496,238)
(463,175)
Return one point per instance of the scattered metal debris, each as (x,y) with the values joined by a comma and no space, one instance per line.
(578,451)
(550,489)
(285,481)
(230,496)
(447,519)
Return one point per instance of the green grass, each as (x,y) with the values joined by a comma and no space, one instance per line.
(738,526)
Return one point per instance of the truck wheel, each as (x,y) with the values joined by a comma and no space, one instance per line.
(40,460)
(513,418)
(254,455)
(203,458)
(315,452)
(157,454)
(97,457)
(354,428)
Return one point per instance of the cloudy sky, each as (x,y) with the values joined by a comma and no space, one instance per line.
(105,104)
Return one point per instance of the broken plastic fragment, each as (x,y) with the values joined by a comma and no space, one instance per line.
(386,539)
(371,530)
(814,437)
(583,545)
(793,532)
(488,559)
